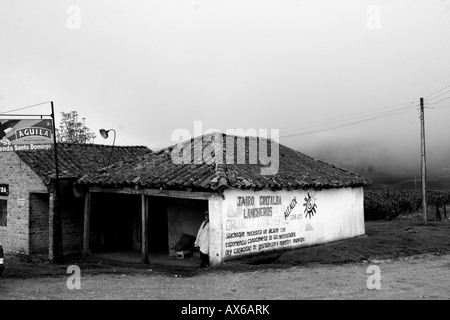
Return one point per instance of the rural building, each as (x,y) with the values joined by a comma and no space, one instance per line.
(27,179)
(157,199)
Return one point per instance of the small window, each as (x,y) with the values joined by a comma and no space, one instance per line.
(3,212)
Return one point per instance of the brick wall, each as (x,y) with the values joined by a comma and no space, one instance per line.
(72,213)
(21,180)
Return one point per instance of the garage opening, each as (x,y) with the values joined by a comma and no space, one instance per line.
(157,225)
(116,226)
(184,217)
(39,225)
(115,221)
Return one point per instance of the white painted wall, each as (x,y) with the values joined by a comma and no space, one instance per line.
(339,214)
(216,212)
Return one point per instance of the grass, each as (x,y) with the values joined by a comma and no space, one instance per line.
(385,240)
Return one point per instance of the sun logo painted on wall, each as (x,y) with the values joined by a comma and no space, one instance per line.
(310,205)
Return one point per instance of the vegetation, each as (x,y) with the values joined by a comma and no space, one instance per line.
(388,204)
(73,130)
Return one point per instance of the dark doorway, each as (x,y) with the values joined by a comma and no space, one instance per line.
(113,220)
(38,226)
(158,236)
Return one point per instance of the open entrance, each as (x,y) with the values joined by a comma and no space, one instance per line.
(115,222)
(38,226)
(184,218)
(116,226)
(157,225)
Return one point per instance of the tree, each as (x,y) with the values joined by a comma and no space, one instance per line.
(71,130)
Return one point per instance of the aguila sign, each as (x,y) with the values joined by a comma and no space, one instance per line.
(26,135)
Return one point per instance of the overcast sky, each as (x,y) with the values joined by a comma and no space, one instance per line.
(146,68)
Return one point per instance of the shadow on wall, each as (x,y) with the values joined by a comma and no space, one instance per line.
(184,217)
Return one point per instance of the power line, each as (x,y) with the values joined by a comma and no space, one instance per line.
(22,108)
(350,119)
(363,118)
(340,126)
(348,115)
(344,125)
(345,119)
(438,101)
(438,105)
(435,106)
(438,91)
(390,171)
(434,98)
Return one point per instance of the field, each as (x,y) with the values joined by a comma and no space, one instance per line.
(387,204)
(398,182)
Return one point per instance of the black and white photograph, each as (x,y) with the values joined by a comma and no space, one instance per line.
(224,158)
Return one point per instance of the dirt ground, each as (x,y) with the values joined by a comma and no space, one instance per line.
(413,261)
(419,277)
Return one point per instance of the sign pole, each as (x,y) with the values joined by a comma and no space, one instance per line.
(57,220)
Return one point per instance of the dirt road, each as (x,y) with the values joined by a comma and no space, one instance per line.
(419,277)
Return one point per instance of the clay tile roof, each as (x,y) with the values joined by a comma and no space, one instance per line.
(212,167)
(75,160)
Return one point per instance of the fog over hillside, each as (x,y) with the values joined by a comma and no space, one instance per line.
(385,163)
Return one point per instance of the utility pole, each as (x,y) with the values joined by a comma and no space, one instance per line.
(423,163)
(58,254)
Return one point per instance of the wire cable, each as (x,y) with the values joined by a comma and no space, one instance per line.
(434,98)
(353,118)
(349,115)
(438,91)
(347,118)
(431,104)
(344,125)
(22,108)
